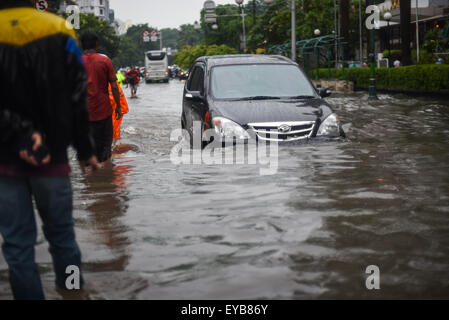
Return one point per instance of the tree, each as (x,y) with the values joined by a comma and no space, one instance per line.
(405,32)
(170,38)
(135,33)
(188,54)
(274,25)
(108,41)
(229,26)
(189,36)
(132,47)
(128,54)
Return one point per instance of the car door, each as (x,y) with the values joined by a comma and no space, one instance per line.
(195,108)
(187,103)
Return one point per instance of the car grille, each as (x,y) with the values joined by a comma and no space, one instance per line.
(272,131)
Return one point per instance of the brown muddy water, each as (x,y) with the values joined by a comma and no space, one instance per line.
(150,229)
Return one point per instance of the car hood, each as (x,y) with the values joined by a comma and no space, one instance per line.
(244,112)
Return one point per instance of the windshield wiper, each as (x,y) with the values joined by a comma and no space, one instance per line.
(302,97)
(259,98)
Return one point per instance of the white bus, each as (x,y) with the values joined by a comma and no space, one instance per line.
(156,63)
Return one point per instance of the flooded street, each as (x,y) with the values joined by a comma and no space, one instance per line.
(150,229)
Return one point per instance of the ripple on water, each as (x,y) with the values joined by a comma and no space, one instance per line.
(150,229)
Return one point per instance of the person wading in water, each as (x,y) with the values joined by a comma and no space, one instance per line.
(100,74)
(39,118)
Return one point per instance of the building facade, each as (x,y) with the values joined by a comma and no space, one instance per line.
(121,27)
(431,14)
(99,8)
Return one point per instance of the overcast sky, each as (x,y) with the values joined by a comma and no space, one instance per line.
(160,13)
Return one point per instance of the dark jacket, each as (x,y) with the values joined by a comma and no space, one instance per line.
(43,86)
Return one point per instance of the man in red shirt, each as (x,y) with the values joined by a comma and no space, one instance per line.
(133,80)
(100,73)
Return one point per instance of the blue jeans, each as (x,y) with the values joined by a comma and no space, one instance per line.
(53,198)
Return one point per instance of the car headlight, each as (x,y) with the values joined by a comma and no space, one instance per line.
(229,129)
(330,127)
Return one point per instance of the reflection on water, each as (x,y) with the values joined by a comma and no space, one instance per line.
(106,203)
(107,197)
(149,229)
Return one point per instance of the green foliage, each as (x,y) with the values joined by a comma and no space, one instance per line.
(188,54)
(425,57)
(128,54)
(132,47)
(229,26)
(135,34)
(170,38)
(189,36)
(360,76)
(395,54)
(273,26)
(108,42)
(416,78)
(435,41)
(325,73)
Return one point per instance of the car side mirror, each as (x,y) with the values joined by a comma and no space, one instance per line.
(324,92)
(194,96)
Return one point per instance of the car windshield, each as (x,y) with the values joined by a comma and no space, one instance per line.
(156,55)
(259,81)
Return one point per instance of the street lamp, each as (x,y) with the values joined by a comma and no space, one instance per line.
(387,17)
(317,32)
(240,4)
(215,26)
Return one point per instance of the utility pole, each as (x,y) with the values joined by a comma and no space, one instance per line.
(244,29)
(241,6)
(406,31)
(360,31)
(294,30)
(372,80)
(336,33)
(417,32)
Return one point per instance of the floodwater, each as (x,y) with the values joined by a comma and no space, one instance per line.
(151,229)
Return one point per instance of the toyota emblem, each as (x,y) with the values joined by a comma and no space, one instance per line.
(285,128)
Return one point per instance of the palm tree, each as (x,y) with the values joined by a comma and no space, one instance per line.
(405,32)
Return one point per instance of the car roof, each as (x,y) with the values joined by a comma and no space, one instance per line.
(233,59)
